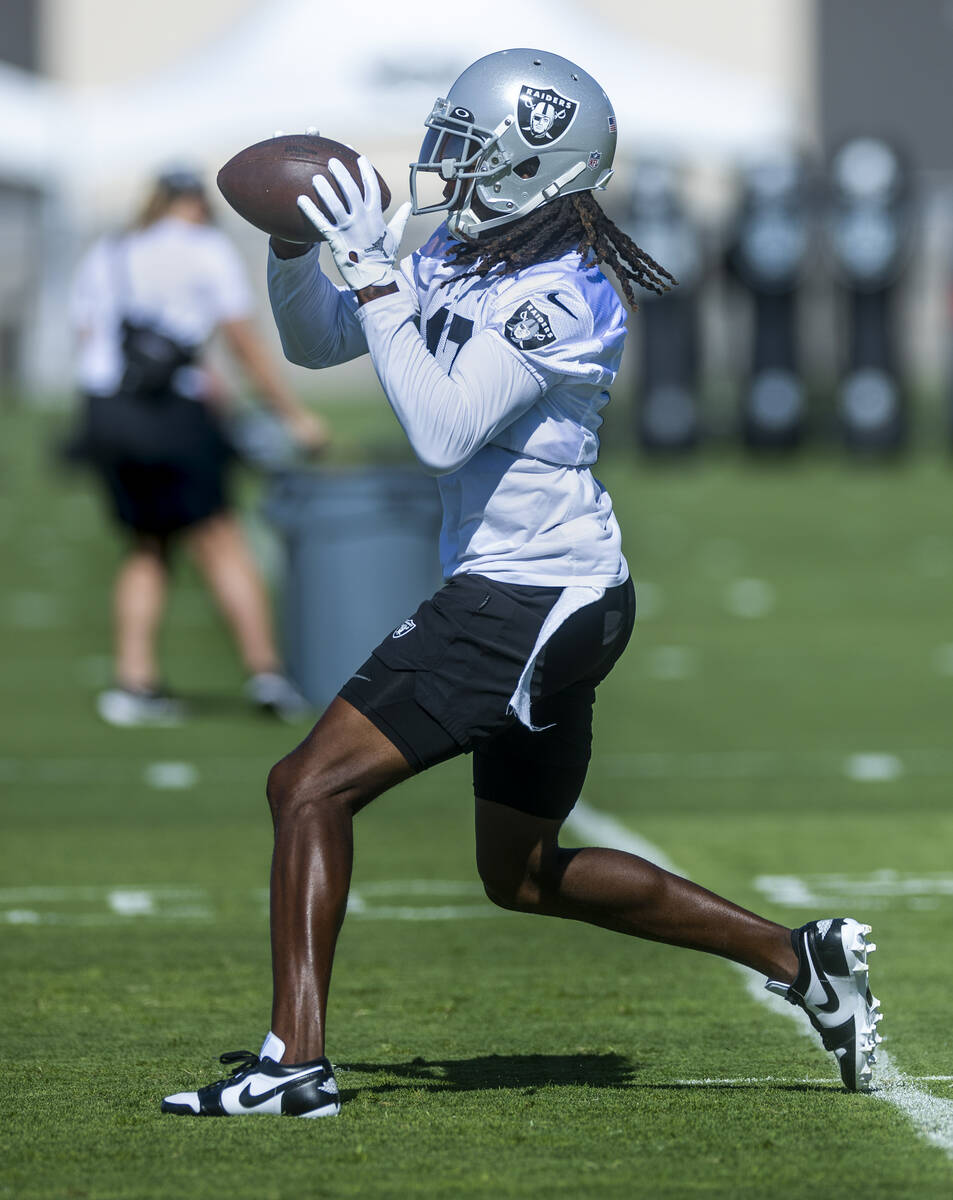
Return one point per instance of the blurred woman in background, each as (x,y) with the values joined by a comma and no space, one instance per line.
(144,304)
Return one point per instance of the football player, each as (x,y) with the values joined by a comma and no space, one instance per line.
(495,344)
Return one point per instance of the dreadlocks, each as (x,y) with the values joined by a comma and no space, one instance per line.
(572,222)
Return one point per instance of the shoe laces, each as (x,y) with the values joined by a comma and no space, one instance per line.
(241,1062)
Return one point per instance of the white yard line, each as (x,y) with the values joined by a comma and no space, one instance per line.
(931,1116)
(599,828)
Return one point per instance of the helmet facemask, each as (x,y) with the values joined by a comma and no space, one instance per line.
(456,150)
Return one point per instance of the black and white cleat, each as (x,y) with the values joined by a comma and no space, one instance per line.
(261,1085)
(832,986)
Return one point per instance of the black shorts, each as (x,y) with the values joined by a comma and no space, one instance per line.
(441,683)
(164,461)
(164,499)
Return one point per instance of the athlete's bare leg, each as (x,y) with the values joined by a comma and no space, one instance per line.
(524,868)
(314,793)
(139,597)
(222,553)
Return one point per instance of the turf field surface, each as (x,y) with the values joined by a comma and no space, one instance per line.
(779,728)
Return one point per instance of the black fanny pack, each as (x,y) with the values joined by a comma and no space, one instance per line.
(150,359)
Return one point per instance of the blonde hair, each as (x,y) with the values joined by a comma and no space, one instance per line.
(165,193)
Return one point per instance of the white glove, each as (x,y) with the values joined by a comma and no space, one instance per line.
(364,247)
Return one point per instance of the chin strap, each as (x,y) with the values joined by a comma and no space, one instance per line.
(466,222)
(552,190)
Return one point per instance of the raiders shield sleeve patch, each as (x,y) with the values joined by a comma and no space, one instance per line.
(528,328)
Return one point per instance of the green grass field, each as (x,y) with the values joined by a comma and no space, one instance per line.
(779,727)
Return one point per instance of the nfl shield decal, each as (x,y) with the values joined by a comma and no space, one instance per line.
(543,115)
(528,328)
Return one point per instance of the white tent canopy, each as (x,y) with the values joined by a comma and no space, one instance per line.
(368,77)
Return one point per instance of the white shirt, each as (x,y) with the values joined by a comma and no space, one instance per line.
(498,383)
(181,278)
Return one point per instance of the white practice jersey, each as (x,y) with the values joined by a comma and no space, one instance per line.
(180,278)
(498,383)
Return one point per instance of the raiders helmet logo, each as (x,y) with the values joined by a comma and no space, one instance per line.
(528,328)
(543,115)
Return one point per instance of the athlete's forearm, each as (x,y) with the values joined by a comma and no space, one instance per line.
(316,321)
(447,418)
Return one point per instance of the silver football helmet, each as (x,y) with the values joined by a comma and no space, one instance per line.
(516,130)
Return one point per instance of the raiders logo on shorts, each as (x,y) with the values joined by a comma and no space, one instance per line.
(543,115)
(528,328)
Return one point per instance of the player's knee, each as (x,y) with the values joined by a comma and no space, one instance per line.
(279,786)
(289,789)
(305,786)
(516,886)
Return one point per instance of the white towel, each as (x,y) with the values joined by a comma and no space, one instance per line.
(571,600)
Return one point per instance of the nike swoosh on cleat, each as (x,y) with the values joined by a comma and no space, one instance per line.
(249,1099)
(831,1003)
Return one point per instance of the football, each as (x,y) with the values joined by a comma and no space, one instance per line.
(263,182)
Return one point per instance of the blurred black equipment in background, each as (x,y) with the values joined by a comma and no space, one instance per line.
(767,255)
(667,410)
(869,224)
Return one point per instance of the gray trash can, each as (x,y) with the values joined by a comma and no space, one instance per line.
(361,554)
